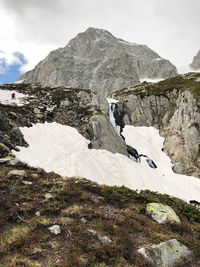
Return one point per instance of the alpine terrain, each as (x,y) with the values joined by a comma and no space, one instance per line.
(98,169)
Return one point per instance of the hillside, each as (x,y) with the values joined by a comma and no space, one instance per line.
(95,224)
(99,225)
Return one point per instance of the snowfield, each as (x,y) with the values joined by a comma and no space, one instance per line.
(59,148)
(5,98)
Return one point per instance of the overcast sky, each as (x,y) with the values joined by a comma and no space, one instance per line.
(33,28)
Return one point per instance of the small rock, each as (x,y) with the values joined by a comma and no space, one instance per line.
(48,195)
(37,213)
(104,239)
(20,173)
(27,182)
(50,109)
(83,220)
(34,175)
(13,162)
(55,229)
(4,160)
(93,232)
(65,103)
(39,116)
(162,213)
(36,111)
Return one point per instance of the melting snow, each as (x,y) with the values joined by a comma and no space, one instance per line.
(59,148)
(5,98)
(151,80)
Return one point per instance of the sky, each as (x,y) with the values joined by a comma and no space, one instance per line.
(30,29)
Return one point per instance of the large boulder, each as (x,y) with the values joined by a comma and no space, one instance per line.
(104,136)
(166,254)
(162,213)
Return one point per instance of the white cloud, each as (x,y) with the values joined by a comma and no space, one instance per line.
(35,27)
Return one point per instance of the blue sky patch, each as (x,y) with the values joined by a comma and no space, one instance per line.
(10,73)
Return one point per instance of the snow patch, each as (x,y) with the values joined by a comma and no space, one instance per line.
(151,80)
(59,148)
(112,100)
(5,98)
(19,81)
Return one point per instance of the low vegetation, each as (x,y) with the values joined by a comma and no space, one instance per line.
(178,83)
(100,225)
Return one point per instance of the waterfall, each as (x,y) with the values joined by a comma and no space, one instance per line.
(133,154)
(111,114)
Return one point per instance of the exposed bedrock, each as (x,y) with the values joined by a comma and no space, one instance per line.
(104,136)
(176,114)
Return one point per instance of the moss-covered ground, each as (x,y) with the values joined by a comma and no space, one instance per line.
(179,83)
(85,212)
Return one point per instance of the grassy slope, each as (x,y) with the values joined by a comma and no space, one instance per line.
(179,83)
(115,212)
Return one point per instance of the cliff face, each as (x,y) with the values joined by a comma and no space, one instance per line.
(173,107)
(196,62)
(98,61)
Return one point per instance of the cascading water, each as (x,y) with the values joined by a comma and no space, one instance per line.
(111,114)
(133,154)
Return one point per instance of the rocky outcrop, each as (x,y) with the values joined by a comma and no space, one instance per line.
(10,135)
(196,62)
(98,61)
(162,213)
(104,136)
(4,150)
(166,253)
(81,109)
(173,107)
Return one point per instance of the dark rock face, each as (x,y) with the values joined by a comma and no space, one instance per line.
(10,135)
(98,61)
(196,62)
(104,136)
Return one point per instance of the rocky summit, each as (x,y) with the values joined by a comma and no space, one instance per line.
(196,62)
(98,61)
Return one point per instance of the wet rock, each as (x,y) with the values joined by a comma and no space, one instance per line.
(162,213)
(166,254)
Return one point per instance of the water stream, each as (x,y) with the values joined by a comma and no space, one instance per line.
(133,154)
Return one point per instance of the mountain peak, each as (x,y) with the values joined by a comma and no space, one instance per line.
(97,60)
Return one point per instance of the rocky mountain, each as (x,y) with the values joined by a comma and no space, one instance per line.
(196,62)
(98,61)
